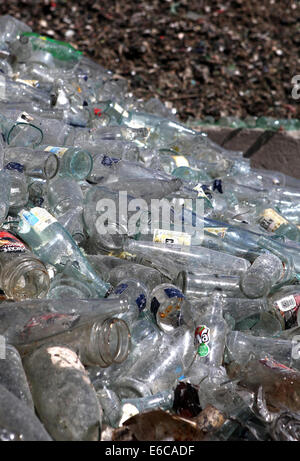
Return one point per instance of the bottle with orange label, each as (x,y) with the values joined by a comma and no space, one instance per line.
(22,274)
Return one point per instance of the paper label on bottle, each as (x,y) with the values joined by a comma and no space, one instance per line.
(58,151)
(201,340)
(288,308)
(10,244)
(201,193)
(180,160)
(122,255)
(219,231)
(271,220)
(128,411)
(171,237)
(32,83)
(25,118)
(120,110)
(38,218)
(287,303)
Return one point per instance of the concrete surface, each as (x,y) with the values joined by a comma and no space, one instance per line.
(281,152)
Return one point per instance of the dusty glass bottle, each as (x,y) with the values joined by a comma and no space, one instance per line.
(17,421)
(63,395)
(265,272)
(12,375)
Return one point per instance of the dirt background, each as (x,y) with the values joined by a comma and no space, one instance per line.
(205,57)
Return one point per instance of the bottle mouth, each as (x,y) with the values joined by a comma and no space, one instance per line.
(21,131)
(30,279)
(81,164)
(112,341)
(51,166)
(131,388)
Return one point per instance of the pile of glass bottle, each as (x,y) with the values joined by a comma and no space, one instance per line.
(106,306)
(266,123)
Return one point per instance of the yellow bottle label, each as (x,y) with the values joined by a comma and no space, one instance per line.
(58,151)
(271,220)
(173,237)
(32,83)
(219,231)
(180,160)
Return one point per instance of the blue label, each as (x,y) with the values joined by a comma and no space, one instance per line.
(15,166)
(154,306)
(217,185)
(54,150)
(32,220)
(206,190)
(108,161)
(141,302)
(172,292)
(120,288)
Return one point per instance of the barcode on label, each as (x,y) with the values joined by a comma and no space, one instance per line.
(286,304)
(171,237)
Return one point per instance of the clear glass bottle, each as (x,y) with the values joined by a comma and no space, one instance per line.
(63,395)
(53,245)
(74,161)
(137,296)
(210,334)
(167,304)
(241,346)
(148,276)
(158,368)
(28,324)
(174,258)
(18,187)
(201,284)
(63,194)
(37,164)
(22,275)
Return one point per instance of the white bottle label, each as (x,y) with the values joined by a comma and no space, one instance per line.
(287,303)
(173,237)
(25,118)
(271,220)
(38,218)
(58,151)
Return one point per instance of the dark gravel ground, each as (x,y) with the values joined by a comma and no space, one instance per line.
(203,56)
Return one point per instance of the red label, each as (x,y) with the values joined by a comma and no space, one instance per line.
(48,324)
(270,363)
(10,244)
